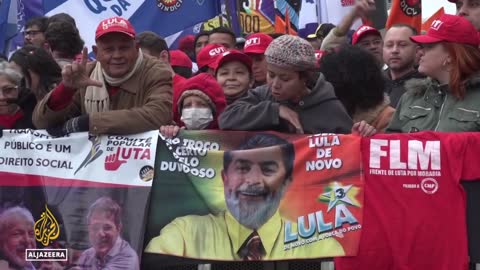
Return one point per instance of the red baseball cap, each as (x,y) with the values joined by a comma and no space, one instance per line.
(186,43)
(180,59)
(233,55)
(450,28)
(362,31)
(208,55)
(257,43)
(115,25)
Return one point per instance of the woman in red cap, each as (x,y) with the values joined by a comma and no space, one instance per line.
(449,99)
(196,105)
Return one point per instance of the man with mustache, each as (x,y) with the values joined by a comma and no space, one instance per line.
(16,235)
(109,250)
(122,92)
(251,228)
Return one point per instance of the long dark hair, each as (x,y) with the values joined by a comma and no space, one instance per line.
(355,76)
(38,60)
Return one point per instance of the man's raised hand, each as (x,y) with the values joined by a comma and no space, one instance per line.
(75,75)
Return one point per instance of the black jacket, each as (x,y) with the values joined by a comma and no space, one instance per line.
(396,88)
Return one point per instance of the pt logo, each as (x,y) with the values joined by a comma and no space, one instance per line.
(411,8)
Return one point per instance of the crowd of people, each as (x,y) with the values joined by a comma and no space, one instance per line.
(329,81)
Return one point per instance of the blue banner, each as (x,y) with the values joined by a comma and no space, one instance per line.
(165,17)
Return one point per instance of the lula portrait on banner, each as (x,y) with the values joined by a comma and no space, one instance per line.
(251,228)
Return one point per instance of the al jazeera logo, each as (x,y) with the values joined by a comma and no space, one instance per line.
(46,230)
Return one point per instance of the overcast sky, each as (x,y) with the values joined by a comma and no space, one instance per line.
(431,6)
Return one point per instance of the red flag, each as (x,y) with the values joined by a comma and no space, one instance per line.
(406,12)
(436,15)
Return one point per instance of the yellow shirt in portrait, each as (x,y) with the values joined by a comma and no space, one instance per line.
(220,237)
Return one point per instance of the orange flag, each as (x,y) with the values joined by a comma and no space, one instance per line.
(284,26)
(279,24)
(436,15)
(406,12)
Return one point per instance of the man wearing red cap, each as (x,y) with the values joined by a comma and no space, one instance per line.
(255,47)
(181,63)
(123,92)
(470,9)
(371,40)
(207,58)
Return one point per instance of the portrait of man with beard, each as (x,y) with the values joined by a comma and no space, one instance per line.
(16,236)
(255,177)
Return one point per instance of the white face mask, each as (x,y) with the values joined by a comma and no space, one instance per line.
(196,118)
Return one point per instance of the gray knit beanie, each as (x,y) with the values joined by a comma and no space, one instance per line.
(291,52)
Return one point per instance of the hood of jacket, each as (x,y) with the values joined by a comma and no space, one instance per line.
(207,84)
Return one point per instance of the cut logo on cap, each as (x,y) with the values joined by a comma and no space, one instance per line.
(216,51)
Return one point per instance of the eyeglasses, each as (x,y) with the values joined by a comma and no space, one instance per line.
(8,90)
(32,32)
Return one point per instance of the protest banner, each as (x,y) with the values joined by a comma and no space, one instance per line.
(76,201)
(216,192)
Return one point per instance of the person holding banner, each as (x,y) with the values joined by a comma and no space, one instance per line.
(123,92)
(198,103)
(109,250)
(359,85)
(16,235)
(449,100)
(295,99)
(255,178)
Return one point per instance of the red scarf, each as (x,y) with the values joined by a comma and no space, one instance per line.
(7,121)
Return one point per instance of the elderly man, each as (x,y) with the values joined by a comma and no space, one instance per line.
(109,250)
(123,92)
(251,228)
(16,235)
